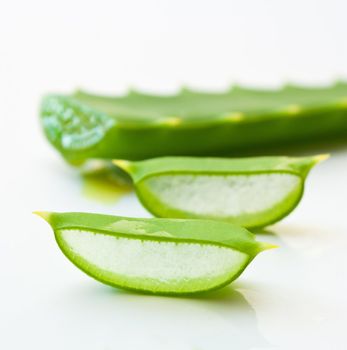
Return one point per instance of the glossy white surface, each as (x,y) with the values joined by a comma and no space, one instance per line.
(294,297)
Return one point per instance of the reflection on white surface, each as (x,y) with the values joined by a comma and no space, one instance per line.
(107,318)
(290,298)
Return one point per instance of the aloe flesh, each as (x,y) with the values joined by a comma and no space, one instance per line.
(161,256)
(139,126)
(251,192)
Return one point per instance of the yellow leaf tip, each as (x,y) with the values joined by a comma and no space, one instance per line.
(321,158)
(234,117)
(267,246)
(172,121)
(45,215)
(123,164)
(293,109)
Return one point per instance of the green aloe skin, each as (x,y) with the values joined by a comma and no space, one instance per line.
(140,126)
(161,256)
(251,192)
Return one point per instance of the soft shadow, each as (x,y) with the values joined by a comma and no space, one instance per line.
(226,308)
(297,230)
(288,231)
(302,239)
(103,182)
(263,231)
(228,294)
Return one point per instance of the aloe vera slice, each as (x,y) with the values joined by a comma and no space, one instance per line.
(140,126)
(165,256)
(251,192)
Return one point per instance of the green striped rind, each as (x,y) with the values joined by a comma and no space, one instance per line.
(141,171)
(140,126)
(199,232)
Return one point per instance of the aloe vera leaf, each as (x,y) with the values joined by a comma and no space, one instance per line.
(164,256)
(139,126)
(251,192)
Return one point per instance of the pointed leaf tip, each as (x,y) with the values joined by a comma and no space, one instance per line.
(123,164)
(267,246)
(45,215)
(321,158)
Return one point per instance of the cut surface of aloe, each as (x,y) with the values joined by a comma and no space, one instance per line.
(251,192)
(140,126)
(165,256)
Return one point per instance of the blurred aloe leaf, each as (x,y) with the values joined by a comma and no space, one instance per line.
(138,126)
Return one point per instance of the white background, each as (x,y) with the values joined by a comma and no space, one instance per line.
(290,298)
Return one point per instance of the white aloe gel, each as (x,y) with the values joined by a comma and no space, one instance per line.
(161,256)
(250,192)
(161,266)
(219,196)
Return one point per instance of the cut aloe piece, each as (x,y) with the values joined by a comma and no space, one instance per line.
(165,256)
(140,126)
(251,192)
